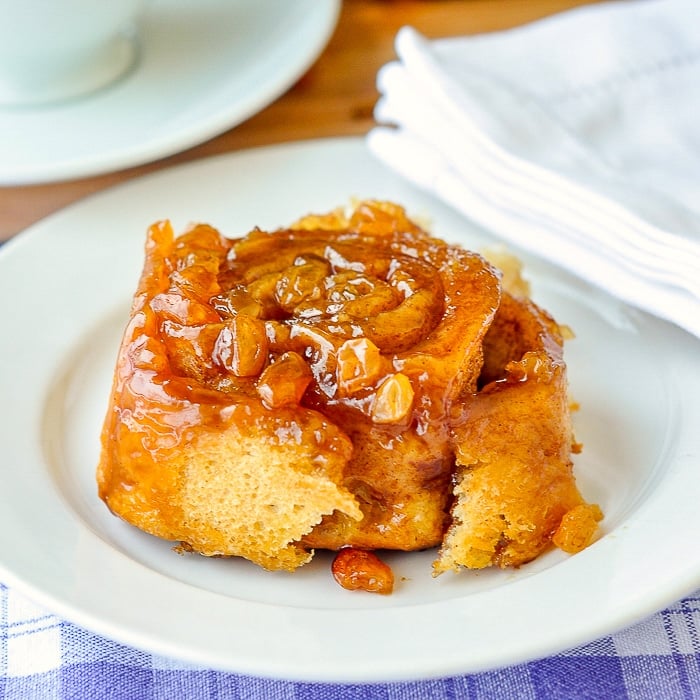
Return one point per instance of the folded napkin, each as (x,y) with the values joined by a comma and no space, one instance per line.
(576,138)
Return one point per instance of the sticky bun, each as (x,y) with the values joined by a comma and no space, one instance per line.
(348,382)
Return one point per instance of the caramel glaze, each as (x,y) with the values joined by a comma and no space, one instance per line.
(361,333)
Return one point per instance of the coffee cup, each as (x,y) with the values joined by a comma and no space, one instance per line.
(55,50)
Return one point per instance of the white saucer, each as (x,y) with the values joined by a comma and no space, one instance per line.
(205,66)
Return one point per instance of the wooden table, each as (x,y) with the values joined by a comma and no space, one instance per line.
(334,98)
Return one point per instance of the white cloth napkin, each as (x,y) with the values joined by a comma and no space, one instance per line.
(576,138)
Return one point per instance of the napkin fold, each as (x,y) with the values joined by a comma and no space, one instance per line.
(576,138)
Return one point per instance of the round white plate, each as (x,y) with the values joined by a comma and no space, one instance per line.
(65,289)
(204,67)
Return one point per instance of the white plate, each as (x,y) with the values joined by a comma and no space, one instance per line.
(65,288)
(205,66)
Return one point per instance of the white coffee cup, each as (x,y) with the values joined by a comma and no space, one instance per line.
(53,50)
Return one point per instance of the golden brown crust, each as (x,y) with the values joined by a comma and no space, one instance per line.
(514,480)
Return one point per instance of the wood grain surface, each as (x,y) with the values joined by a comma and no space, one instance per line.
(334,98)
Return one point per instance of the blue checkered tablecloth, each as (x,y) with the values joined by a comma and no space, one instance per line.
(44,657)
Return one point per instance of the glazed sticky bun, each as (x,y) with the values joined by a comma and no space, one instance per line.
(349,383)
